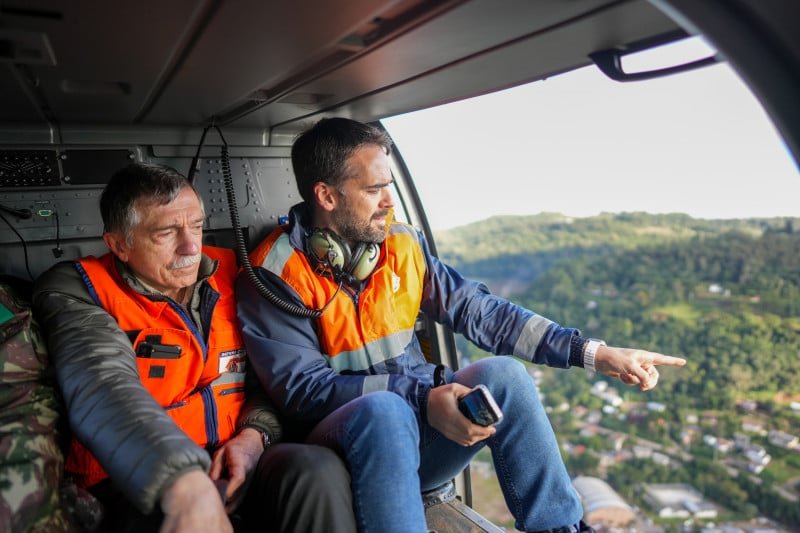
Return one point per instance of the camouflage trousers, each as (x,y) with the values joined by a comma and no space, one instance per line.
(32,495)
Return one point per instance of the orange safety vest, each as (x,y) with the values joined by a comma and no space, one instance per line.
(380,326)
(200,384)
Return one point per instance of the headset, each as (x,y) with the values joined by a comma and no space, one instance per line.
(335,258)
(328,250)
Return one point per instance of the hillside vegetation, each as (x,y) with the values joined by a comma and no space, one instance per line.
(723,293)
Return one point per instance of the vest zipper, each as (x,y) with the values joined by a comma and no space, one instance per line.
(210,408)
(209,405)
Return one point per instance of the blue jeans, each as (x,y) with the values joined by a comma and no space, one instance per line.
(393,456)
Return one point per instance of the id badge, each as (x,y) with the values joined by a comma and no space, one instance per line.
(232,361)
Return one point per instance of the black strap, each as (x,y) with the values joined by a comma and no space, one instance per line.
(439,377)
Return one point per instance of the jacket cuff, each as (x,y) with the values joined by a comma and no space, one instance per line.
(555,348)
(263,422)
(577,344)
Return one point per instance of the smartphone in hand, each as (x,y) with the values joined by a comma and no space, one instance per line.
(479,406)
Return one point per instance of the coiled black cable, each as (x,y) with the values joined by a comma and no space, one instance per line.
(241,247)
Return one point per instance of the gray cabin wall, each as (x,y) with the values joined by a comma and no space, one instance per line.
(59,179)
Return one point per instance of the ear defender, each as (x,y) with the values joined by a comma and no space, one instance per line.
(335,256)
(364,260)
(328,250)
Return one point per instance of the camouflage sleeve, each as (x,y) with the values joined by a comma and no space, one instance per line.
(96,370)
(31,459)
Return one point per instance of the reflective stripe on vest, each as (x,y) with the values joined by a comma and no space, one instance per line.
(200,386)
(356,333)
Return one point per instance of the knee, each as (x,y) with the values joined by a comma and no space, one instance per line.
(507,379)
(301,464)
(381,420)
(501,369)
(328,468)
(385,410)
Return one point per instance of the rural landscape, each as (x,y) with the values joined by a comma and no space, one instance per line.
(715,446)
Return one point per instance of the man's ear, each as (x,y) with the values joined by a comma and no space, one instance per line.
(325,196)
(118,245)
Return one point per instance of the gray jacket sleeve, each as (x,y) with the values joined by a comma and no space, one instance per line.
(110,411)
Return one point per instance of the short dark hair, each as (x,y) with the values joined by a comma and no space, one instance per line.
(321,152)
(154,183)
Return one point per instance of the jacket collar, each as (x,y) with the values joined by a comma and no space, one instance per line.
(299,221)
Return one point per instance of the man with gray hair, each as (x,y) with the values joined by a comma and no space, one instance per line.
(149,358)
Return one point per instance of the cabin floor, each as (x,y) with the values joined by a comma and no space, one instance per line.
(446,513)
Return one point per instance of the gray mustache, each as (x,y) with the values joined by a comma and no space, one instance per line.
(184,261)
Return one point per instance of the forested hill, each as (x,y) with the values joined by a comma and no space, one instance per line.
(523,246)
(723,293)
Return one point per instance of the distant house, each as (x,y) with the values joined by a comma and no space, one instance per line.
(725,445)
(656,407)
(783,440)
(757,458)
(602,505)
(617,440)
(562,407)
(642,452)
(701,509)
(610,396)
(755,453)
(594,417)
(709,419)
(755,468)
(753,427)
(678,500)
(748,406)
(599,386)
(688,436)
(661,459)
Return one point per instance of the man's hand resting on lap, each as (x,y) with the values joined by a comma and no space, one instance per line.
(193,504)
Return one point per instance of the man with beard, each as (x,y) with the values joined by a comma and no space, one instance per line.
(357,373)
(148,355)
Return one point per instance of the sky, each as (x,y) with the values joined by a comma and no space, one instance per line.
(580,144)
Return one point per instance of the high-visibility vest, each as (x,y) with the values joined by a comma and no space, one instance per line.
(356,331)
(199,381)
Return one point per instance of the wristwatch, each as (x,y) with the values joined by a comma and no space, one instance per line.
(265,440)
(589,352)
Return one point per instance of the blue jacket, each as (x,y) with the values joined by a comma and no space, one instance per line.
(285,352)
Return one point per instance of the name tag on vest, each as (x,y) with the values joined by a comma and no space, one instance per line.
(232,361)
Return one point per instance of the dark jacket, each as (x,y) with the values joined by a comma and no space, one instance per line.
(109,409)
(287,354)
